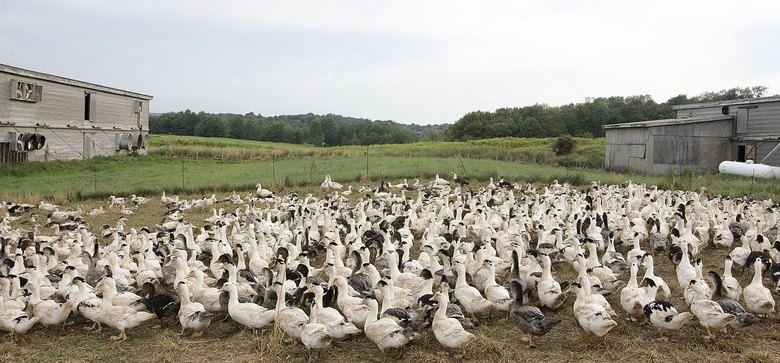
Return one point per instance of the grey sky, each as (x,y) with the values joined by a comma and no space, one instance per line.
(409,61)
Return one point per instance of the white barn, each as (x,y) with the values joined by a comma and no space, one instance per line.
(47,117)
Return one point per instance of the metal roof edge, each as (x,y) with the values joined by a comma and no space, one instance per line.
(69,81)
(745,101)
(667,122)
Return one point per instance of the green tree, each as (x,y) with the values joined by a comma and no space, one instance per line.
(211,126)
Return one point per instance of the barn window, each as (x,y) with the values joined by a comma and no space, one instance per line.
(89,107)
(742,121)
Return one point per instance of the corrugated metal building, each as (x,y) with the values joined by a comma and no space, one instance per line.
(48,117)
(702,136)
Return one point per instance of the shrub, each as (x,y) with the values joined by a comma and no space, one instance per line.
(564,145)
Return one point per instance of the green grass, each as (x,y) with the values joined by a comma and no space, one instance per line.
(284,166)
(589,152)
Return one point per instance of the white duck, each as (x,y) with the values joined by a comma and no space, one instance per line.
(354,308)
(709,313)
(593,317)
(468,296)
(337,325)
(292,320)
(125,298)
(17,322)
(495,293)
(385,332)
(758,299)
(631,296)
(448,331)
(250,315)
(192,315)
(549,290)
(647,262)
(689,294)
(121,318)
(264,193)
(685,270)
(731,287)
(664,316)
(208,296)
(51,312)
(314,335)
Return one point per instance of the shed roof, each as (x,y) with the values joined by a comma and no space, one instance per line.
(669,122)
(68,81)
(747,101)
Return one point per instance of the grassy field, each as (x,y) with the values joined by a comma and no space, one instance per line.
(203,166)
(497,338)
(152,174)
(589,152)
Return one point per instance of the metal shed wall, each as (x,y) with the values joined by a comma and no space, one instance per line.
(659,149)
(64,105)
(71,144)
(700,112)
(60,116)
(764,119)
(623,144)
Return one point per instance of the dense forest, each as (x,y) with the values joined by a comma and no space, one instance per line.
(318,130)
(540,120)
(579,119)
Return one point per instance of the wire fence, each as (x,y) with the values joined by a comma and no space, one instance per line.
(102,177)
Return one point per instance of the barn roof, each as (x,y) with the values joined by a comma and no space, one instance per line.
(747,101)
(68,81)
(669,122)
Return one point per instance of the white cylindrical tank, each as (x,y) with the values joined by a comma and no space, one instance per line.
(749,169)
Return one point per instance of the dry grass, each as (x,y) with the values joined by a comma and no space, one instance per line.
(497,338)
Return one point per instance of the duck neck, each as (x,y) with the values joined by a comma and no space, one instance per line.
(649,269)
(632,280)
(181,270)
(185,295)
(233,296)
(546,269)
(280,299)
(372,313)
(318,298)
(757,274)
(461,282)
(35,298)
(388,296)
(232,275)
(727,269)
(441,313)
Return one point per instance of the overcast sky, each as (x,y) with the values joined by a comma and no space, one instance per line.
(409,61)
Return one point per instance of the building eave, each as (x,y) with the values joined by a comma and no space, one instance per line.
(69,81)
(747,101)
(668,122)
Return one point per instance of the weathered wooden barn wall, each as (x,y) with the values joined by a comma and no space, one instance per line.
(60,115)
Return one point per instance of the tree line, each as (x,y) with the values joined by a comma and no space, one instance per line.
(579,119)
(539,120)
(317,130)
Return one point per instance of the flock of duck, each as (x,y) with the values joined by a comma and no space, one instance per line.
(392,261)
